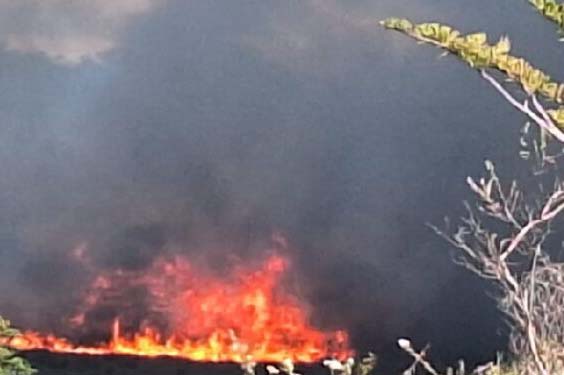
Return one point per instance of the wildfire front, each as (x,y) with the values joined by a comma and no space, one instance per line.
(199,316)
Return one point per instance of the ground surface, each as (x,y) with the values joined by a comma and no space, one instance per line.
(60,364)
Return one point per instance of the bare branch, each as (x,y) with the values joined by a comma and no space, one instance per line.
(544,121)
(548,213)
(531,294)
(418,357)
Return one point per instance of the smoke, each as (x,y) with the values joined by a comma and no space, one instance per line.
(210,127)
(67,32)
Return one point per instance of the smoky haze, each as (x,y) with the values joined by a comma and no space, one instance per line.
(205,127)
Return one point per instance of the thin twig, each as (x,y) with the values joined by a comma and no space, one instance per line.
(419,358)
(531,332)
(547,213)
(544,121)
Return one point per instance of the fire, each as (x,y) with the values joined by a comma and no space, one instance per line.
(201,317)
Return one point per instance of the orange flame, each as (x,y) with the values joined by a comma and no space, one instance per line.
(244,316)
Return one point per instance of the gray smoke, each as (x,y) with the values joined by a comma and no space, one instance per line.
(204,127)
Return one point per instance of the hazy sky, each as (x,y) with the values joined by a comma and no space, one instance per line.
(139,125)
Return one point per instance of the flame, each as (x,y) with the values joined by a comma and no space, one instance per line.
(242,316)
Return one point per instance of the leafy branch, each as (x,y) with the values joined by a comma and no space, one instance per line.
(475,50)
(551,10)
(10,363)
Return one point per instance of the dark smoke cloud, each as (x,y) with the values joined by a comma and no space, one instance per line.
(208,126)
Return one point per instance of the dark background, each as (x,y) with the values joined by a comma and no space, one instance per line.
(211,125)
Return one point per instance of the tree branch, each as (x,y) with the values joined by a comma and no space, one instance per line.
(544,121)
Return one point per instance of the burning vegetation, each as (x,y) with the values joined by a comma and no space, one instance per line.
(190,313)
